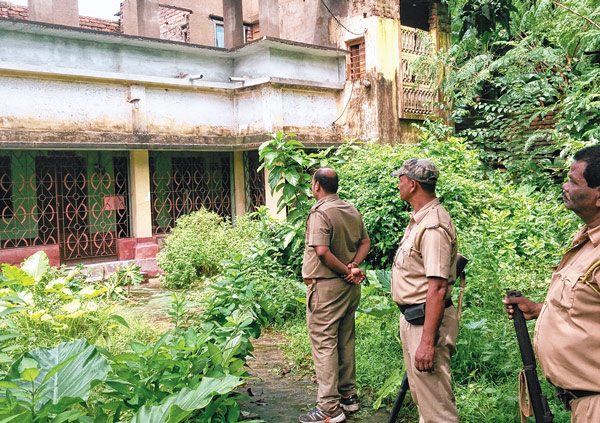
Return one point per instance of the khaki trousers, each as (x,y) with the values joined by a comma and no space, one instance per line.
(330,308)
(432,392)
(585,410)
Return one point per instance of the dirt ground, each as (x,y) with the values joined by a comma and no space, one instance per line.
(274,395)
(279,397)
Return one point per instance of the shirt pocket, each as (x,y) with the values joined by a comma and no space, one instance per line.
(403,253)
(566,288)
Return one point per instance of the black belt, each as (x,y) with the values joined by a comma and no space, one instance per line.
(404,307)
(566,395)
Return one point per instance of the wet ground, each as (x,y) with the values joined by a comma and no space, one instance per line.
(274,395)
(277,396)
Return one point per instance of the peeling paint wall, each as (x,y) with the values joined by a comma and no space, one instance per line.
(57,105)
(303,109)
(64,86)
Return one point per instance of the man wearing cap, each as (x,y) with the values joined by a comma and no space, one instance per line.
(336,243)
(423,272)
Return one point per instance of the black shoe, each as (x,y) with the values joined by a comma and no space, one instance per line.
(317,416)
(350,403)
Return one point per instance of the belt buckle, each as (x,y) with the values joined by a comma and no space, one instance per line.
(565,396)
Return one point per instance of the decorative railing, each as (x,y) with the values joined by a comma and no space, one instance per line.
(78,200)
(415,41)
(181,183)
(255,181)
(417,101)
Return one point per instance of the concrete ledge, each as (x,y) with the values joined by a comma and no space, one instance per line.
(146,250)
(15,256)
(66,74)
(38,139)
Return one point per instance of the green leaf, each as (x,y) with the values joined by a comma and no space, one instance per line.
(159,343)
(15,275)
(137,347)
(179,406)
(9,385)
(119,319)
(65,371)
(215,353)
(22,417)
(120,387)
(29,374)
(68,415)
(36,265)
(191,339)
(11,310)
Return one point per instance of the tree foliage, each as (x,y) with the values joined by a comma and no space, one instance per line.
(515,63)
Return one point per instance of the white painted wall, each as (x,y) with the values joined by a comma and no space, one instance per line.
(186,112)
(73,79)
(299,109)
(46,104)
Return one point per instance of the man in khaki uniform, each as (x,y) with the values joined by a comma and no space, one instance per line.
(336,243)
(567,331)
(423,272)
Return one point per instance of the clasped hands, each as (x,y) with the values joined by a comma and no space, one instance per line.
(356,275)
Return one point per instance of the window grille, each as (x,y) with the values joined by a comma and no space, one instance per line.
(356,61)
(6,202)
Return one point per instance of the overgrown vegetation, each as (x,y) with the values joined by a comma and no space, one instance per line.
(514,63)
(199,244)
(190,372)
(512,233)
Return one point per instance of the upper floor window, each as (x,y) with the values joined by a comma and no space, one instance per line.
(356,61)
(249,31)
(219,33)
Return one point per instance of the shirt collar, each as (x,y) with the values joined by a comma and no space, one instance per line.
(418,216)
(326,199)
(594,235)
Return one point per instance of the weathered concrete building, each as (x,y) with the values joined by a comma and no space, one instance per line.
(109,131)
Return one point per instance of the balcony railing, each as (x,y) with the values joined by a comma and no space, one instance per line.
(416,99)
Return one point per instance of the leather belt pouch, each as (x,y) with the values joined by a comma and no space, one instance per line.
(415,314)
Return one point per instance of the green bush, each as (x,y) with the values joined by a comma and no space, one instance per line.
(41,305)
(198,245)
(513,233)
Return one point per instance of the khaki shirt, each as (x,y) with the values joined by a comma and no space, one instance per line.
(336,224)
(428,249)
(567,331)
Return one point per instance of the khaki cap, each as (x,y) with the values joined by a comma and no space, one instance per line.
(421,170)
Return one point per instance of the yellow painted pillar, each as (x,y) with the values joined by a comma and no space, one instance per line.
(271,199)
(139,170)
(239,185)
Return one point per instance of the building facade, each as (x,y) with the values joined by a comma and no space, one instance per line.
(111,130)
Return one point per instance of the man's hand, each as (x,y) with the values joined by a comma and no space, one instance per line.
(424,357)
(356,275)
(530,309)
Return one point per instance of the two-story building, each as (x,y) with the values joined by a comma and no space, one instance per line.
(110,130)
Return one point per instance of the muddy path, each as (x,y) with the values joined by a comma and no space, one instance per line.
(273,395)
(277,396)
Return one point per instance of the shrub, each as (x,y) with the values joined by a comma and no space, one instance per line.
(41,305)
(198,245)
(512,232)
